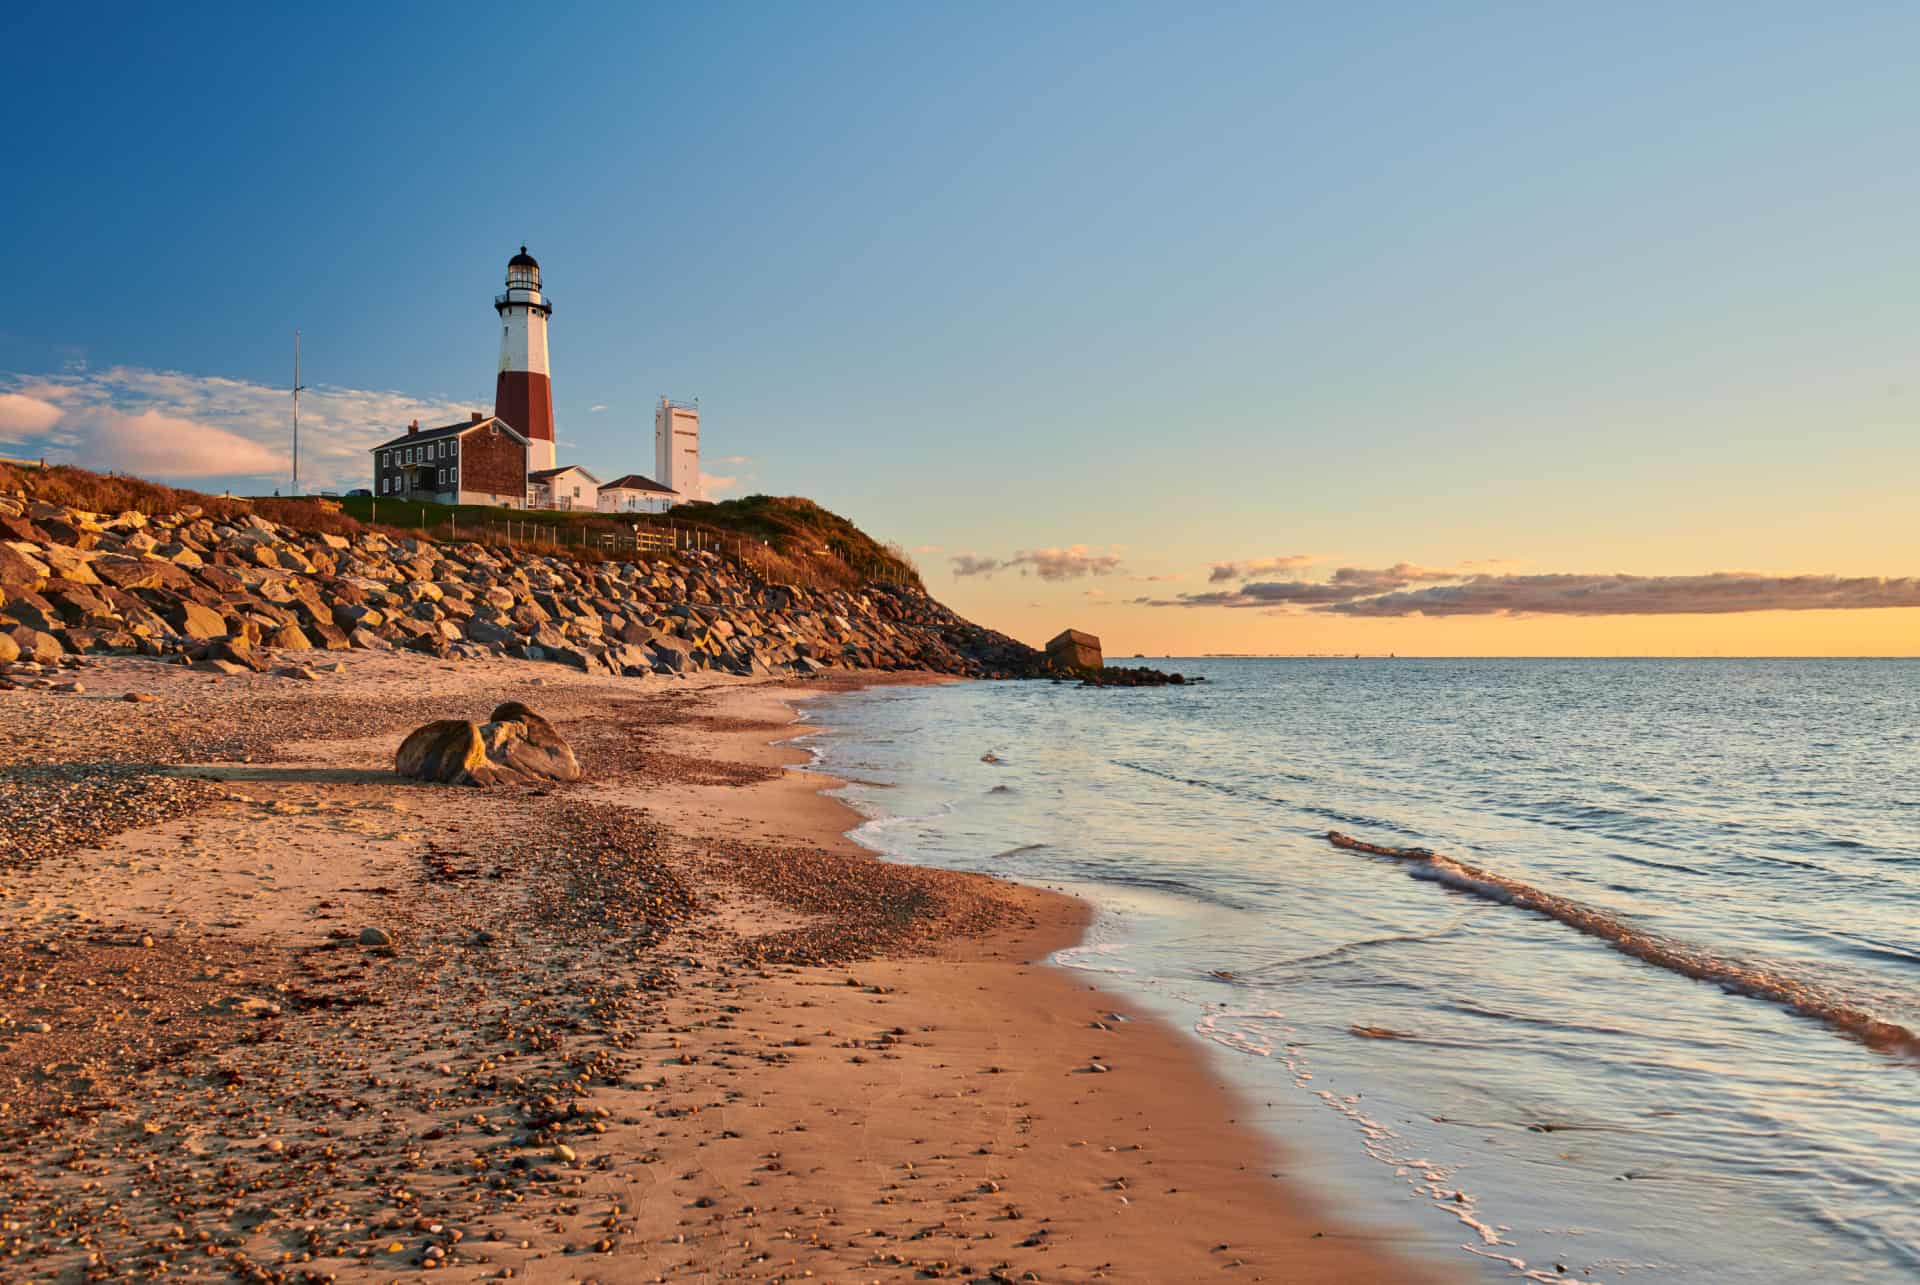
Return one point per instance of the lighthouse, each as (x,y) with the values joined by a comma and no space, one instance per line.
(523,396)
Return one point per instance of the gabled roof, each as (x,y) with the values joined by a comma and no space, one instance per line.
(547,474)
(634,482)
(451,430)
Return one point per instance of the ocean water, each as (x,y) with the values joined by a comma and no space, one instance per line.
(1646,1013)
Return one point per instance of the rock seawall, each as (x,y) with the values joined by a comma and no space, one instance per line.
(216,592)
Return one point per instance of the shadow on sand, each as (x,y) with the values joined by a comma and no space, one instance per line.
(288,775)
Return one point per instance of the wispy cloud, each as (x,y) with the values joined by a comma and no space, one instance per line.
(1218,572)
(972,564)
(596,408)
(1408,590)
(1344,585)
(1622,595)
(171,425)
(1070,563)
(924,549)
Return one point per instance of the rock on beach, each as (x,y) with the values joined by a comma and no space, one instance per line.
(514,744)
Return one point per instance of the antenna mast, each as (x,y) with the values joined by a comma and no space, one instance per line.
(297,386)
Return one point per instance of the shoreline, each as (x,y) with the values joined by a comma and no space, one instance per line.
(1270,1186)
(669,1023)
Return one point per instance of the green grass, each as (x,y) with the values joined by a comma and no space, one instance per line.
(413,513)
(799,531)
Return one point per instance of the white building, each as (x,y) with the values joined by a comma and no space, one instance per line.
(523,395)
(676,448)
(635,494)
(566,487)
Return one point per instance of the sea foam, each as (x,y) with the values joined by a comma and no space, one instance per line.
(1740,977)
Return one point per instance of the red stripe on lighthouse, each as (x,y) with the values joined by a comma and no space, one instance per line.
(525,400)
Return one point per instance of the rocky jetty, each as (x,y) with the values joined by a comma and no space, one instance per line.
(221,593)
(1073,654)
(1141,676)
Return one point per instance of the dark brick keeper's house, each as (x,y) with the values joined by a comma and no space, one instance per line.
(482,461)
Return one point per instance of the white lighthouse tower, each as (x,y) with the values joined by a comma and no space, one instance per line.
(676,447)
(523,395)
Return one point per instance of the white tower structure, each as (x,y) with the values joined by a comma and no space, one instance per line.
(676,447)
(523,395)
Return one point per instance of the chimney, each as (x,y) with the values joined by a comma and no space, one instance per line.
(477,416)
(413,426)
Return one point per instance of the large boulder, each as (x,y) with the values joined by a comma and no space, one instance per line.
(518,738)
(68,563)
(449,751)
(1072,649)
(490,632)
(37,645)
(515,744)
(191,620)
(20,571)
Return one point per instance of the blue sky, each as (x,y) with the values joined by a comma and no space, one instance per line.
(1498,289)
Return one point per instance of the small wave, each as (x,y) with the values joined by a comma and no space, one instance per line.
(1689,961)
(1242,1032)
(1155,883)
(884,821)
(1014,852)
(1083,957)
(1347,948)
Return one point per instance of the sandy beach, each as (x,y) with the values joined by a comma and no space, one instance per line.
(272,1013)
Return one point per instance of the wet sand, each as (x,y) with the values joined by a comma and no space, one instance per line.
(667,1024)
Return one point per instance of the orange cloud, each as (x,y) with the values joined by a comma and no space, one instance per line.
(1070,563)
(1392,592)
(22,416)
(1217,572)
(153,444)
